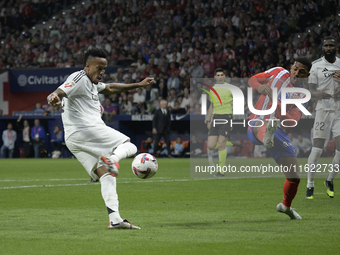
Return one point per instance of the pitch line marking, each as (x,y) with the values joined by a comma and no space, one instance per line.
(71,179)
(120,182)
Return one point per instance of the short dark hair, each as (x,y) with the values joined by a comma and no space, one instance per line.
(94,52)
(219,69)
(305,61)
(329,38)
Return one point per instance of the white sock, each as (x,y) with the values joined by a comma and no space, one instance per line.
(109,193)
(335,163)
(123,150)
(314,160)
(210,157)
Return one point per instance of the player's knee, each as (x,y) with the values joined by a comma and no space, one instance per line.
(130,148)
(316,152)
(211,148)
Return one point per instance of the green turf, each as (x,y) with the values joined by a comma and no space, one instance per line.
(48,207)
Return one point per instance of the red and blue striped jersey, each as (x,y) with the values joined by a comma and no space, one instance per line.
(279,78)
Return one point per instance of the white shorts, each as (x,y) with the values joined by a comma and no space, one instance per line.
(88,145)
(326,122)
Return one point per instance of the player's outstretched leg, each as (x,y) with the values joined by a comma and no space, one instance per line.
(268,139)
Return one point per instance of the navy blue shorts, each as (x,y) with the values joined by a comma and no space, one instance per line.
(282,145)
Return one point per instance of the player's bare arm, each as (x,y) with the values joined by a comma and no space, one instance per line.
(116,88)
(317,93)
(258,82)
(54,99)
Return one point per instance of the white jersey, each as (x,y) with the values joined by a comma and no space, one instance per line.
(81,107)
(321,74)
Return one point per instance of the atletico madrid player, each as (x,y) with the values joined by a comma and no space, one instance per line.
(267,130)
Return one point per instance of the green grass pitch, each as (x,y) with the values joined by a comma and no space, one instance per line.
(48,207)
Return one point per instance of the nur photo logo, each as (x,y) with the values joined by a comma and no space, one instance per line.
(286,96)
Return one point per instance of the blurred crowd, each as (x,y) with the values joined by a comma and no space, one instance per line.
(171,41)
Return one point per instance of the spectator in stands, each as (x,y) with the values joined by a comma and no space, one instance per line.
(173,82)
(125,106)
(25,128)
(196,70)
(149,108)
(177,109)
(173,68)
(184,70)
(38,108)
(305,145)
(208,65)
(149,145)
(57,141)
(138,102)
(229,56)
(162,88)
(177,148)
(186,99)
(37,136)
(195,147)
(217,29)
(161,124)
(173,93)
(293,18)
(109,111)
(9,136)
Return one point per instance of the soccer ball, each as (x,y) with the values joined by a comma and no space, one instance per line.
(144,166)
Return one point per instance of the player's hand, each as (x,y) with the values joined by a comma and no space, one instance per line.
(336,77)
(336,94)
(54,100)
(147,82)
(266,90)
(323,95)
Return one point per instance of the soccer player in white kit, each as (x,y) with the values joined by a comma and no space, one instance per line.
(96,146)
(324,85)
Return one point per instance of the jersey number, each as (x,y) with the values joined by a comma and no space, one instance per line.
(319,125)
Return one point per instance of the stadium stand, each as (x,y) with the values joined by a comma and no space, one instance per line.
(157,38)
